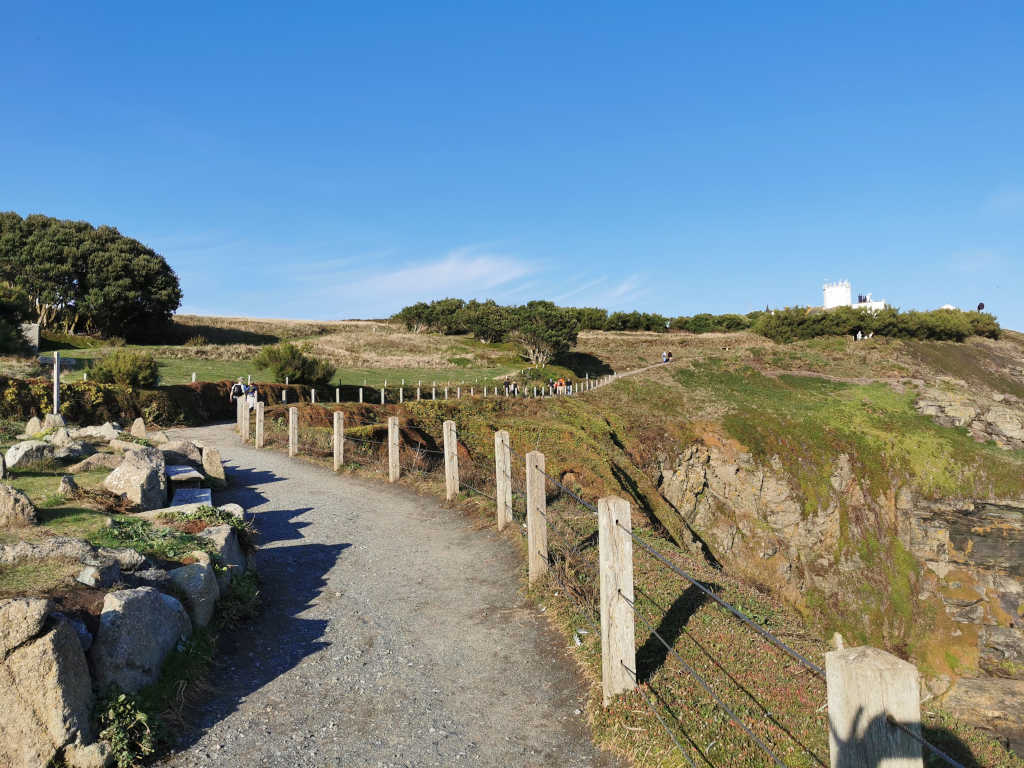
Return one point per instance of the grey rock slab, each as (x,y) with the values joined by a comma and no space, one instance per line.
(96,461)
(16,509)
(182,452)
(29,453)
(200,496)
(47,698)
(228,549)
(84,635)
(21,619)
(198,583)
(139,427)
(214,467)
(138,628)
(100,575)
(141,478)
(394,633)
(183,473)
(57,546)
(33,426)
(53,421)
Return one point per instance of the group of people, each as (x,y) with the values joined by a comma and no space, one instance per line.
(560,386)
(511,387)
(666,357)
(247,391)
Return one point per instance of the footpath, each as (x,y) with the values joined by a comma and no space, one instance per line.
(394,634)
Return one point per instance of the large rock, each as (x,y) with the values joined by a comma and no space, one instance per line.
(67,486)
(30,453)
(198,582)
(993,704)
(182,452)
(21,619)
(34,426)
(108,431)
(15,508)
(234,509)
(57,546)
(213,467)
(73,451)
(138,628)
(139,428)
(53,421)
(96,461)
(228,548)
(47,699)
(60,436)
(100,574)
(141,478)
(1001,651)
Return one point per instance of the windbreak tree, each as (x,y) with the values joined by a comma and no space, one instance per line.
(544,330)
(79,278)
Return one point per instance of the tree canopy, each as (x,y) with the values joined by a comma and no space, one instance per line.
(77,278)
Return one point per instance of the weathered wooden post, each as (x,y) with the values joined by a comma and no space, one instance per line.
(471,391)
(337,394)
(458,393)
(382,396)
(503,478)
(85,375)
(248,379)
(360,394)
(616,566)
(394,468)
(286,381)
(312,395)
(56,382)
(339,439)
(284,396)
(864,686)
(536,515)
(293,431)
(433,393)
(238,416)
(446,393)
(259,425)
(401,394)
(451,461)
(246,421)
(193,377)
(417,393)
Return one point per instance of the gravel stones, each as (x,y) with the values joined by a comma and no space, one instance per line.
(138,628)
(15,508)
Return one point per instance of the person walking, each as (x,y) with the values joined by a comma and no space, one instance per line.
(251,396)
(237,390)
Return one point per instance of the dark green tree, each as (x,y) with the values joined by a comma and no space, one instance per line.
(544,331)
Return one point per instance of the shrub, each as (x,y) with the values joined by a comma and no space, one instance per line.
(288,361)
(196,341)
(124,725)
(127,368)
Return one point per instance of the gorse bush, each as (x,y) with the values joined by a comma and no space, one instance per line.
(127,368)
(797,323)
(289,361)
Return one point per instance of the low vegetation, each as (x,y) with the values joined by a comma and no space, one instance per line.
(127,369)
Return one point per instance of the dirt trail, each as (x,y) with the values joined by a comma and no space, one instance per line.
(394,635)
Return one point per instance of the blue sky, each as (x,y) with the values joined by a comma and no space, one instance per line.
(332,160)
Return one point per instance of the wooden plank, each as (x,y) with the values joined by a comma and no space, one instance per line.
(503,478)
(536,515)
(618,646)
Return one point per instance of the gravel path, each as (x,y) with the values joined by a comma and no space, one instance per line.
(394,635)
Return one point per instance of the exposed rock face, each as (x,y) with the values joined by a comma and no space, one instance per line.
(234,509)
(108,431)
(994,704)
(60,437)
(141,478)
(15,508)
(138,628)
(34,426)
(199,584)
(21,619)
(970,555)
(182,452)
(213,467)
(29,453)
(999,417)
(47,698)
(139,428)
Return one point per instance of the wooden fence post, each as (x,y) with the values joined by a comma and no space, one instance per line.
(360,394)
(503,478)
(284,396)
(382,396)
(536,515)
(238,416)
(864,685)
(417,393)
(401,394)
(337,394)
(394,468)
(446,393)
(451,461)
(246,422)
(339,439)
(259,425)
(618,647)
(293,431)
(458,393)
(193,377)
(433,393)
(312,395)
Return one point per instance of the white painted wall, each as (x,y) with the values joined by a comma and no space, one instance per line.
(837,294)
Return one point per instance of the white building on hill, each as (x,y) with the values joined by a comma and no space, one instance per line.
(838,295)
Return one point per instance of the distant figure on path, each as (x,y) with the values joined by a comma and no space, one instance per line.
(237,389)
(664,357)
(669,360)
(251,396)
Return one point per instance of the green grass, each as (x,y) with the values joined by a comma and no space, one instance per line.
(36,577)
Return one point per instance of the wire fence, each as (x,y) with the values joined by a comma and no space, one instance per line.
(571,521)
